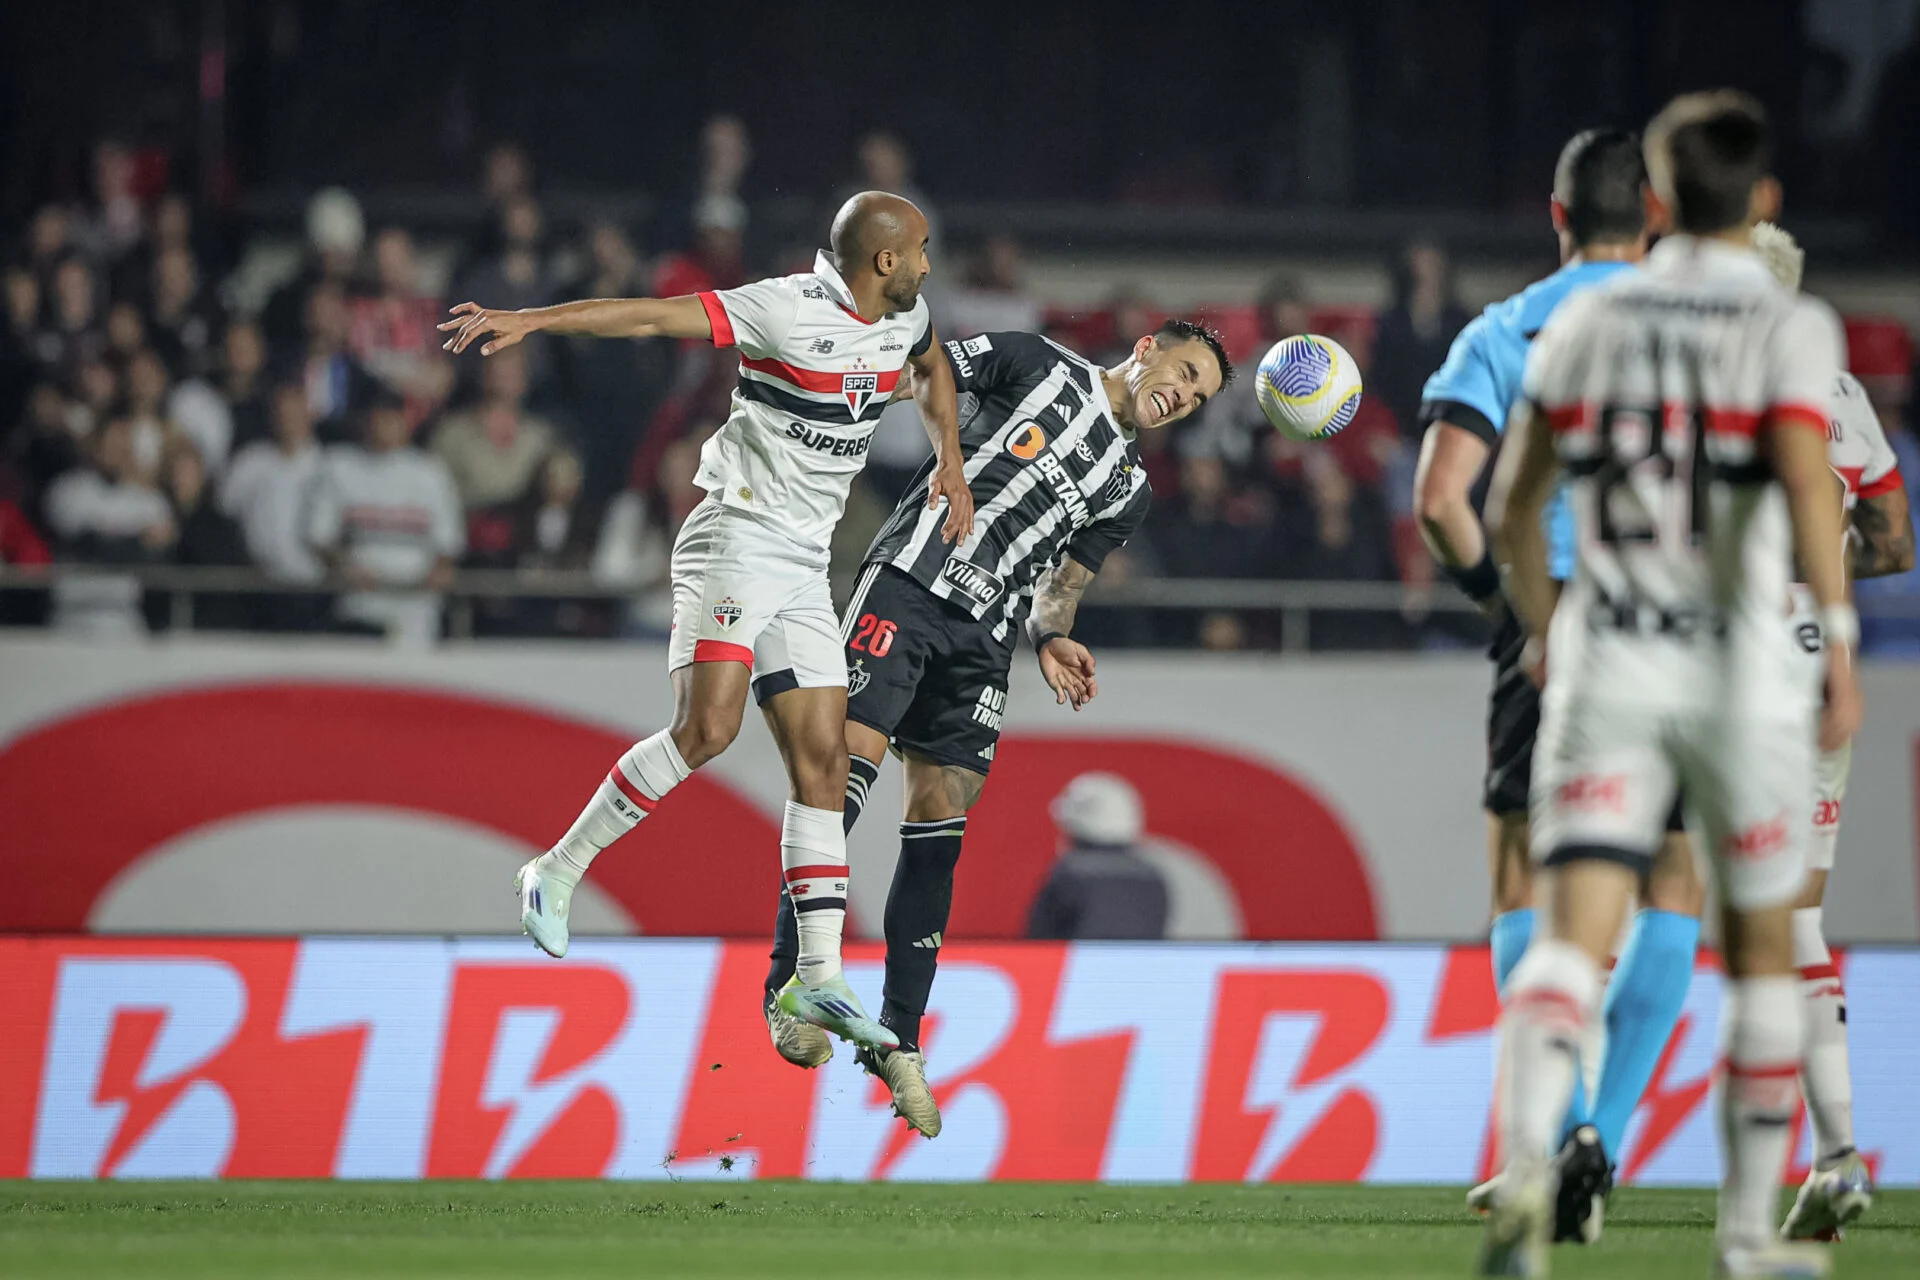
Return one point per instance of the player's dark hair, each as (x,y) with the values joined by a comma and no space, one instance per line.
(1598,183)
(1174,329)
(1705,153)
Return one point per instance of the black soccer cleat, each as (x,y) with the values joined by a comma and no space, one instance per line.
(1586,1180)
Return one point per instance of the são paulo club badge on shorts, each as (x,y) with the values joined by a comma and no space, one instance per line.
(726,613)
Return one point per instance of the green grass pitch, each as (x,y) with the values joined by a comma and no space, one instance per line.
(577,1230)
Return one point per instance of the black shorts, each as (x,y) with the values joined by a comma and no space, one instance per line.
(924,672)
(1513,722)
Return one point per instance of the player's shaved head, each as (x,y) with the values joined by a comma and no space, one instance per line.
(880,234)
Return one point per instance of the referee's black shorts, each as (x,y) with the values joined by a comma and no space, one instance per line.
(924,671)
(1513,722)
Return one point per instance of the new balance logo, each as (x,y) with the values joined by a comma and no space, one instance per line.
(931,942)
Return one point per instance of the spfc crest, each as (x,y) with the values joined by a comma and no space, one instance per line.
(859,388)
(857,677)
(726,613)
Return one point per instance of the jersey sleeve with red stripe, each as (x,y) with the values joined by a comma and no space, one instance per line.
(1805,359)
(756,317)
(1856,416)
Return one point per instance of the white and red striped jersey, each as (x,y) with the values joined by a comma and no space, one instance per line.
(814,378)
(1658,385)
(1857,443)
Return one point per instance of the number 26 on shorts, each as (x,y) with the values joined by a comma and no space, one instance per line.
(873,635)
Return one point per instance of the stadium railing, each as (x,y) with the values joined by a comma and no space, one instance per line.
(1294,601)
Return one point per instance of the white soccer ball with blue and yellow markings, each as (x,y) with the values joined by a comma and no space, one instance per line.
(1308,386)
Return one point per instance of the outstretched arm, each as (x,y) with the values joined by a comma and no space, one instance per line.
(934,392)
(1066,664)
(682,317)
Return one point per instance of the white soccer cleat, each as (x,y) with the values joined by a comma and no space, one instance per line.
(1830,1199)
(1481,1198)
(544,901)
(832,1006)
(801,1043)
(1771,1260)
(1519,1223)
(905,1074)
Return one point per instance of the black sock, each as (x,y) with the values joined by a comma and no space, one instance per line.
(786,933)
(917,908)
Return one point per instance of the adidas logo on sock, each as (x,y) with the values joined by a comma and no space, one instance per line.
(931,942)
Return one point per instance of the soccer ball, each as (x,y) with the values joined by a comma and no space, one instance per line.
(1308,387)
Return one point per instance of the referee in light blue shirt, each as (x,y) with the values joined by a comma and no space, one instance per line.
(1599,213)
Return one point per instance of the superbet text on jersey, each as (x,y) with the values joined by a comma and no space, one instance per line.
(814,379)
(1669,660)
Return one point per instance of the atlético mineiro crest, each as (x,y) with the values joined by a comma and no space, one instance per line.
(859,388)
(726,613)
(857,677)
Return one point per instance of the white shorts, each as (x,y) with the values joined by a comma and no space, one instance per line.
(1829,791)
(744,592)
(1605,774)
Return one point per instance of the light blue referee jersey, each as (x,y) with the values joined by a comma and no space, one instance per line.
(1477,386)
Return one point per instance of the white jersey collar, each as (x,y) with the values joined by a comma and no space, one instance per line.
(836,287)
(1680,253)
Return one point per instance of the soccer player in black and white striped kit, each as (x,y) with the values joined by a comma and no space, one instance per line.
(1050,442)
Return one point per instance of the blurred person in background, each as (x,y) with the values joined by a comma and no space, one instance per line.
(391,330)
(154,430)
(337,387)
(613,387)
(1233,427)
(336,232)
(492,448)
(267,489)
(115,222)
(726,153)
(243,383)
(637,532)
(50,239)
(1100,887)
(106,512)
(506,175)
(184,318)
(20,366)
(207,537)
(717,257)
(385,514)
(109,511)
(126,331)
(551,528)
(76,329)
(993,295)
(1412,335)
(517,272)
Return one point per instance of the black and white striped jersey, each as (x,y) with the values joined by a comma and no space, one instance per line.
(1053,474)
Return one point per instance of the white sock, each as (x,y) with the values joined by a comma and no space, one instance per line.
(1763,1026)
(1825,1072)
(813,855)
(638,781)
(1552,998)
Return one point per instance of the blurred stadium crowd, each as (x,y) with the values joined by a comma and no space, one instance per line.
(168,400)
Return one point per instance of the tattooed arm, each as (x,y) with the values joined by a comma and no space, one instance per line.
(1880,540)
(1065,663)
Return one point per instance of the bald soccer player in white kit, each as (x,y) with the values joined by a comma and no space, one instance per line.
(821,354)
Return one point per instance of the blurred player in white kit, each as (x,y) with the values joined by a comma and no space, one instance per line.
(1839,1187)
(1687,405)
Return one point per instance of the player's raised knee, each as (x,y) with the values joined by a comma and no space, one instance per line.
(705,731)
